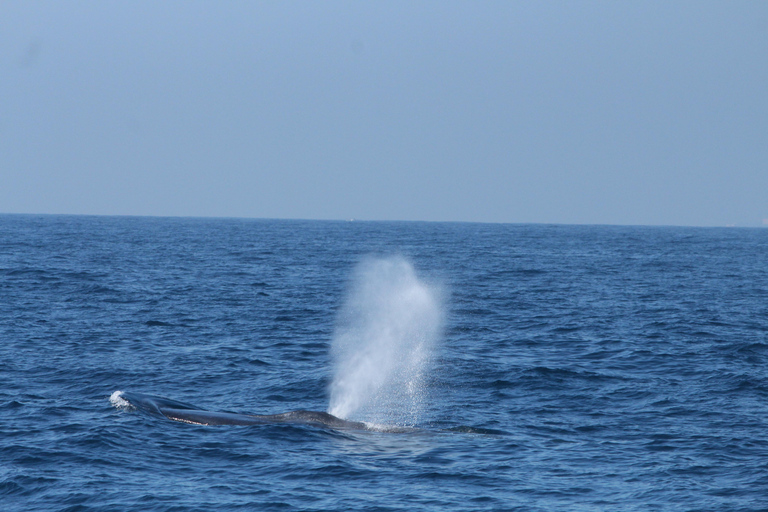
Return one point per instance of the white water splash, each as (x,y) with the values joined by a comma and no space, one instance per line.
(385,336)
(117,400)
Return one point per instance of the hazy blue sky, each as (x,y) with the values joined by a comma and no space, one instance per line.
(635,112)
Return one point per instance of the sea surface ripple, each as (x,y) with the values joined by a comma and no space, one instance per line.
(579,367)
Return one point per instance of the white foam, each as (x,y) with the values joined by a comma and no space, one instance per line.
(117,400)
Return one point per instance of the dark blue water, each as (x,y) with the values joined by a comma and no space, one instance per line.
(581,368)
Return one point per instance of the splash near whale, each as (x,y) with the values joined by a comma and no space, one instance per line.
(382,349)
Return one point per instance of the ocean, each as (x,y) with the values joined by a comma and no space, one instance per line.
(493,366)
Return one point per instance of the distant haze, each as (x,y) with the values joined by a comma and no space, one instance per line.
(650,112)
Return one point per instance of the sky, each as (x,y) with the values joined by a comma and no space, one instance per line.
(592,112)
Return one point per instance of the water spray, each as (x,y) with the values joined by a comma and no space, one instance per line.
(383,344)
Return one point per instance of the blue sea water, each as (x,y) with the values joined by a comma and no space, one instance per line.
(574,368)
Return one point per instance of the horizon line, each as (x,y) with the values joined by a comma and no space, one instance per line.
(760,224)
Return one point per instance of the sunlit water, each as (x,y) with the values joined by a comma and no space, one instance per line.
(542,367)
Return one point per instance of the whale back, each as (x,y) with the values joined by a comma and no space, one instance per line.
(188,413)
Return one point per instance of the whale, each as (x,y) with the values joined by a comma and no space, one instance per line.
(188,413)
